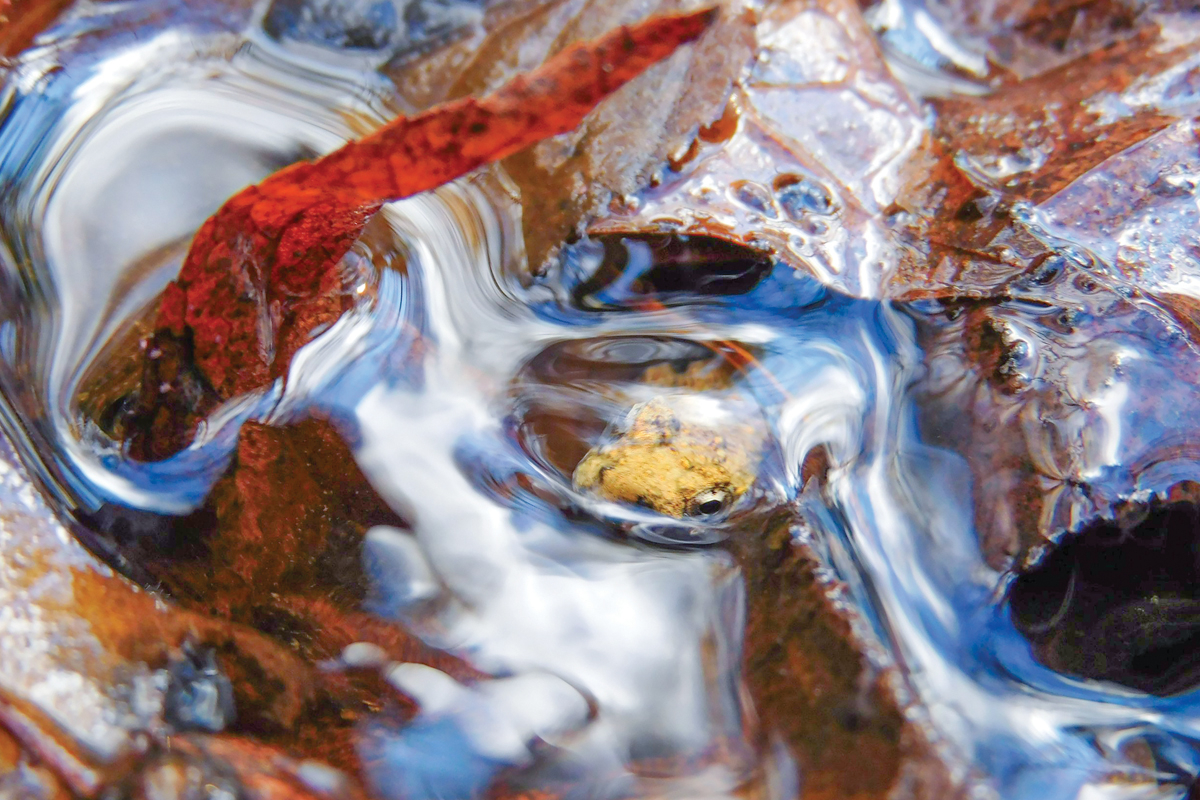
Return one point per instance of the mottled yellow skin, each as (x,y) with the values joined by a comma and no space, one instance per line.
(671,465)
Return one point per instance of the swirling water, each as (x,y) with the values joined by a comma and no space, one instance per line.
(126,125)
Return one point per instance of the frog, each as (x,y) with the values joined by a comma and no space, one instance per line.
(683,454)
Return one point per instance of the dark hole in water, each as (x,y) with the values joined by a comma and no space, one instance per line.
(1120,601)
(665,268)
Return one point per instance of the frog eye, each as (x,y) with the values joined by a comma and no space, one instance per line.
(709,502)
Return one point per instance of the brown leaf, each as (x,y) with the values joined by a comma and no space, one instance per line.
(21,20)
(78,642)
(800,164)
(1065,193)
(620,149)
(809,671)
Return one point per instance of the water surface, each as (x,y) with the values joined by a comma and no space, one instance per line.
(614,636)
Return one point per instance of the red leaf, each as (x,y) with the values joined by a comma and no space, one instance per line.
(263,271)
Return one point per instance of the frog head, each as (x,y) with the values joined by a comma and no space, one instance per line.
(682,456)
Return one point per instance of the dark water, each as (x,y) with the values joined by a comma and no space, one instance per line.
(126,125)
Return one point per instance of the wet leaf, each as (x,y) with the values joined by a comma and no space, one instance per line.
(991,155)
(1001,42)
(278,546)
(813,672)
(21,20)
(262,272)
(619,150)
(801,164)
(84,650)
(1058,235)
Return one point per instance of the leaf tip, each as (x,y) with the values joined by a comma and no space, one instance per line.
(693,24)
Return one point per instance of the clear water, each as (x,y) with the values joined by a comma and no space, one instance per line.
(127,124)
